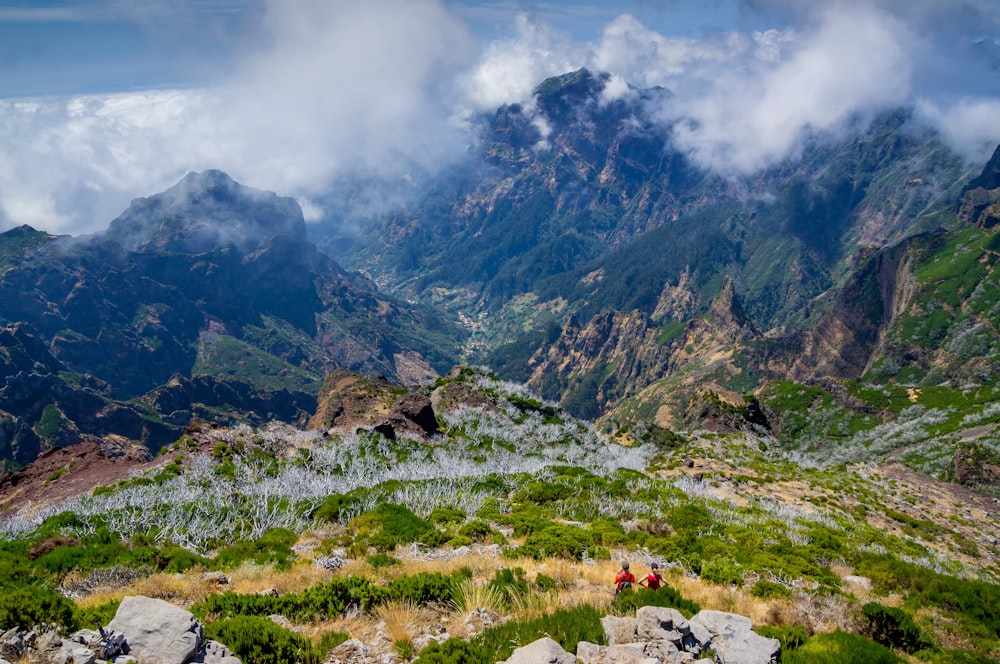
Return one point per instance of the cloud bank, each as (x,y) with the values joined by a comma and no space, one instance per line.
(325,90)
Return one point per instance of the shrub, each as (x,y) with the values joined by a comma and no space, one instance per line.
(380,560)
(334,507)
(892,627)
(557,540)
(455,651)
(258,640)
(273,548)
(510,584)
(791,636)
(769,589)
(567,626)
(446,515)
(331,598)
(423,588)
(477,530)
(840,648)
(27,606)
(230,605)
(629,600)
(102,613)
(545,583)
(724,571)
(393,525)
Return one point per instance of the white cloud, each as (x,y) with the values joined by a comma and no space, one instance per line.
(972,126)
(512,67)
(331,88)
(321,90)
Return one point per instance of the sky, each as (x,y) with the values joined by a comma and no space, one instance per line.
(103,101)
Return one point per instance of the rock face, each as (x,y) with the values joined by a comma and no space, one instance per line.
(660,635)
(351,400)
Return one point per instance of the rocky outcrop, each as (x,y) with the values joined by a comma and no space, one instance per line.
(351,400)
(143,631)
(660,635)
(981,197)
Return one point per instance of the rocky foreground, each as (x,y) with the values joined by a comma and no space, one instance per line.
(152,631)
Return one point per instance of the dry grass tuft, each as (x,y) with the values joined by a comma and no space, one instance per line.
(399,619)
(472,596)
(252,578)
(564,572)
(536,605)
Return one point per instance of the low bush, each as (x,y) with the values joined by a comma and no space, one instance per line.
(273,548)
(477,530)
(380,560)
(389,525)
(556,540)
(840,648)
(424,588)
(629,600)
(102,614)
(258,640)
(509,584)
(769,589)
(27,606)
(892,627)
(567,626)
(791,636)
(455,651)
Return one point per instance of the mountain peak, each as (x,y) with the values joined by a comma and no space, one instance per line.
(207,211)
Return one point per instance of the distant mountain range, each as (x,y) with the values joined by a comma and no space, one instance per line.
(206,300)
(578,252)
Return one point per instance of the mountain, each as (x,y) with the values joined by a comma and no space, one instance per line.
(593,258)
(207,279)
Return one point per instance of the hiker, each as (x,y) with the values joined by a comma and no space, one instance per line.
(624,579)
(653,580)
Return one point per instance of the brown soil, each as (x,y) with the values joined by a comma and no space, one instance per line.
(63,473)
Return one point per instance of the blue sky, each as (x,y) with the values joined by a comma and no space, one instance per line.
(102,101)
(58,47)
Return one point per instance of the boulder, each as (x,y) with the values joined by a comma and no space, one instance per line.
(158,632)
(542,651)
(619,630)
(660,622)
(734,640)
(214,652)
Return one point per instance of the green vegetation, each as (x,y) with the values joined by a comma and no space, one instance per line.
(555,490)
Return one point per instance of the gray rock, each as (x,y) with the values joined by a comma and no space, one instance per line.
(660,622)
(734,640)
(217,578)
(625,653)
(858,583)
(588,653)
(542,651)
(351,651)
(83,656)
(158,632)
(214,652)
(619,630)
(698,639)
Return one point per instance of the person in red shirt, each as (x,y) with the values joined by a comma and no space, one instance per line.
(624,579)
(653,580)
